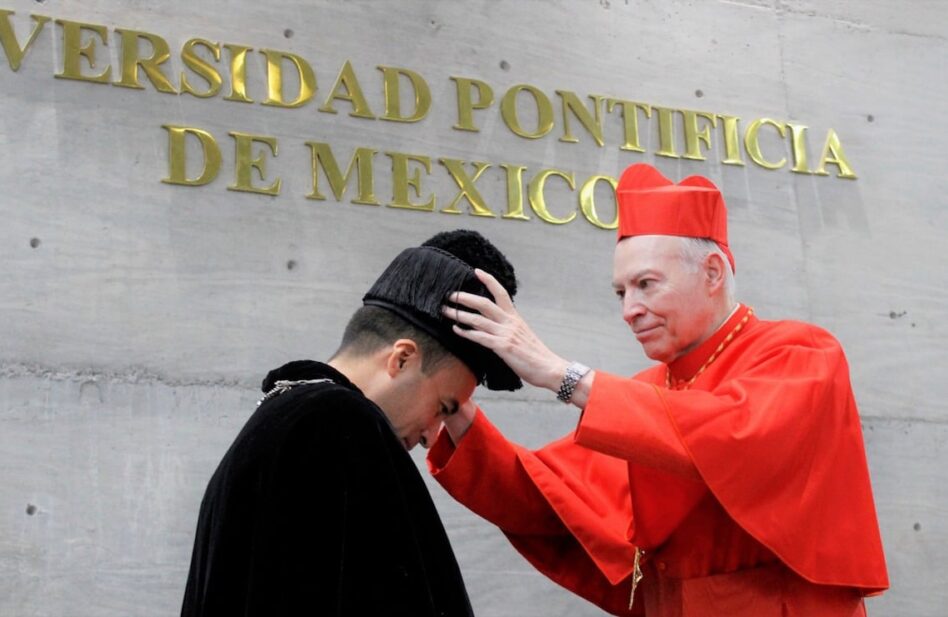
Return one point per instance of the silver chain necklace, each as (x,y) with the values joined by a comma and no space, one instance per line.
(282,386)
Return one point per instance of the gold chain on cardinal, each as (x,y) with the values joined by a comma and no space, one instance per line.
(673,384)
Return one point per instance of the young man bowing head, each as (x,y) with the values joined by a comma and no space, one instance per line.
(317,508)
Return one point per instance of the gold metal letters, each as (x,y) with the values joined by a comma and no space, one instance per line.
(287,81)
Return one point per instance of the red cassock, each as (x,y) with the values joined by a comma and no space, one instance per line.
(748,492)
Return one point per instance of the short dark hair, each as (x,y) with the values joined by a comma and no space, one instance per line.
(371,328)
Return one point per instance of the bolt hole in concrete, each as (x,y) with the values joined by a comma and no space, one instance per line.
(288,33)
(699,93)
(504,65)
(291,264)
(917,526)
(34,242)
(30,509)
(871,118)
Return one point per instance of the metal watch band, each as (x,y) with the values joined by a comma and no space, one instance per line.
(574,372)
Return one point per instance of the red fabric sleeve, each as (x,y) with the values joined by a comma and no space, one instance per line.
(575,499)
(483,469)
(627,419)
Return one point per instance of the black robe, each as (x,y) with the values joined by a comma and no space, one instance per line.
(317,509)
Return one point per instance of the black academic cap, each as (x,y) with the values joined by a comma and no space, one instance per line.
(415,286)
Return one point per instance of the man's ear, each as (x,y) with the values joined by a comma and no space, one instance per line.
(403,353)
(714,271)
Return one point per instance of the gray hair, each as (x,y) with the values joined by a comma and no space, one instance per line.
(693,252)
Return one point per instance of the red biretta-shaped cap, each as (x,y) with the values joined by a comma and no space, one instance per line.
(651,204)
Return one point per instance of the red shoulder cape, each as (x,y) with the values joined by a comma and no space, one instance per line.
(772,430)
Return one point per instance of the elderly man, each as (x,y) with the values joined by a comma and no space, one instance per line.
(317,508)
(729,479)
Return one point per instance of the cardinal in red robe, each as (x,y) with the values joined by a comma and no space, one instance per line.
(729,479)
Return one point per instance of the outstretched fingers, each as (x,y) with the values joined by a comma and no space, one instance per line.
(484,339)
(495,324)
(501,297)
(475,321)
(495,311)
(476,303)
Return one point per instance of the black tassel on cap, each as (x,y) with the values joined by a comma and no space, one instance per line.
(415,286)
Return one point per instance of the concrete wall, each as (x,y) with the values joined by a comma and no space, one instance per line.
(138,317)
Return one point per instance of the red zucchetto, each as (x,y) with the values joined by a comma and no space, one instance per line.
(651,204)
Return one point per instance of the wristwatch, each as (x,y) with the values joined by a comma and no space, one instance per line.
(574,372)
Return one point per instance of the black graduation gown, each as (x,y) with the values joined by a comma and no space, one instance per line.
(317,509)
